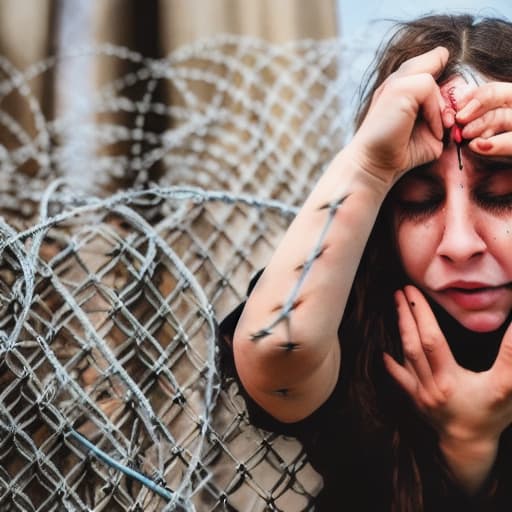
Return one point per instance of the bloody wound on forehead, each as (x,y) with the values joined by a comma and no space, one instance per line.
(456,131)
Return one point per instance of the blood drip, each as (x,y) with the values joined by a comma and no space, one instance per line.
(456,131)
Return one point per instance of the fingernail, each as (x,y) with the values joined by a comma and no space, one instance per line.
(449,117)
(483,145)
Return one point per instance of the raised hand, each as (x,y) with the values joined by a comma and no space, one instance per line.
(486,113)
(468,410)
(404,125)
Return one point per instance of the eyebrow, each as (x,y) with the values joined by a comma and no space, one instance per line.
(484,164)
(420,174)
(423,173)
(484,167)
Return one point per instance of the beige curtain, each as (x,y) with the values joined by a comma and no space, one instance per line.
(25,38)
(278,21)
(184,22)
(29,32)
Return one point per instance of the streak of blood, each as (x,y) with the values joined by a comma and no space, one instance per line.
(456,131)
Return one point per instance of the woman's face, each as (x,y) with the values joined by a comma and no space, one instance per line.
(454,235)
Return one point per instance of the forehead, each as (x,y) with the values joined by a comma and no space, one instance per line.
(477,169)
(454,89)
(461,81)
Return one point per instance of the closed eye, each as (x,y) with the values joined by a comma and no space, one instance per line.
(417,195)
(498,203)
(494,192)
(417,210)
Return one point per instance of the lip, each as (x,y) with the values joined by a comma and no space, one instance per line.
(474,295)
(469,285)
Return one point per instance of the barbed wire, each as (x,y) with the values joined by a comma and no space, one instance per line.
(110,394)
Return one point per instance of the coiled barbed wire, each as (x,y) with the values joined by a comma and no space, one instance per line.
(109,304)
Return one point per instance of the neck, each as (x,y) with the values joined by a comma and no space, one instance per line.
(475,351)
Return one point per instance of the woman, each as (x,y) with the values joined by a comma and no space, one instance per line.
(393,362)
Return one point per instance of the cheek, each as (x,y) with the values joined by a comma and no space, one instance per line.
(415,246)
(500,242)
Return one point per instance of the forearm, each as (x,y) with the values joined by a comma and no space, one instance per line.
(360,196)
(470,462)
(312,324)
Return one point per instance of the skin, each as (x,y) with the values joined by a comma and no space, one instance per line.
(404,129)
(454,234)
(362,172)
(454,226)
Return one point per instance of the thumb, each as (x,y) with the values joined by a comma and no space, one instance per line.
(504,358)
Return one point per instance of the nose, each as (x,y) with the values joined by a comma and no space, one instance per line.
(460,239)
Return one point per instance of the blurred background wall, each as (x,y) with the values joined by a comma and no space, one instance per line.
(33,30)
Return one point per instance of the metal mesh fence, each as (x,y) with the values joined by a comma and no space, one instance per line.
(109,302)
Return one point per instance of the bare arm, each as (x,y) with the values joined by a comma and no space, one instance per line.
(292,368)
(292,380)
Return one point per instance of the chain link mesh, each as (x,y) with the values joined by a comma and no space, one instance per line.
(109,302)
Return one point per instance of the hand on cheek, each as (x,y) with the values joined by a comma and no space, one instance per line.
(426,375)
(459,404)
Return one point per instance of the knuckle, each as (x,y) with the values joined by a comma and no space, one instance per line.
(505,353)
(501,394)
(427,78)
(441,400)
(445,391)
(494,117)
(489,132)
(429,346)
(434,401)
(507,119)
(410,352)
(393,84)
(427,401)
(429,342)
(405,65)
(487,93)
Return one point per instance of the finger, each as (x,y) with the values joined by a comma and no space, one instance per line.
(410,94)
(434,113)
(414,354)
(487,97)
(421,91)
(401,376)
(410,368)
(448,114)
(491,123)
(503,363)
(433,342)
(498,145)
(432,62)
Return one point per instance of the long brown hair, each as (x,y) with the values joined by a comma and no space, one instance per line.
(370,324)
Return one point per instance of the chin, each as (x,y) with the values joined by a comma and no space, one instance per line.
(482,321)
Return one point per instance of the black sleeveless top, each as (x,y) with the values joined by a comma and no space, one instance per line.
(357,469)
